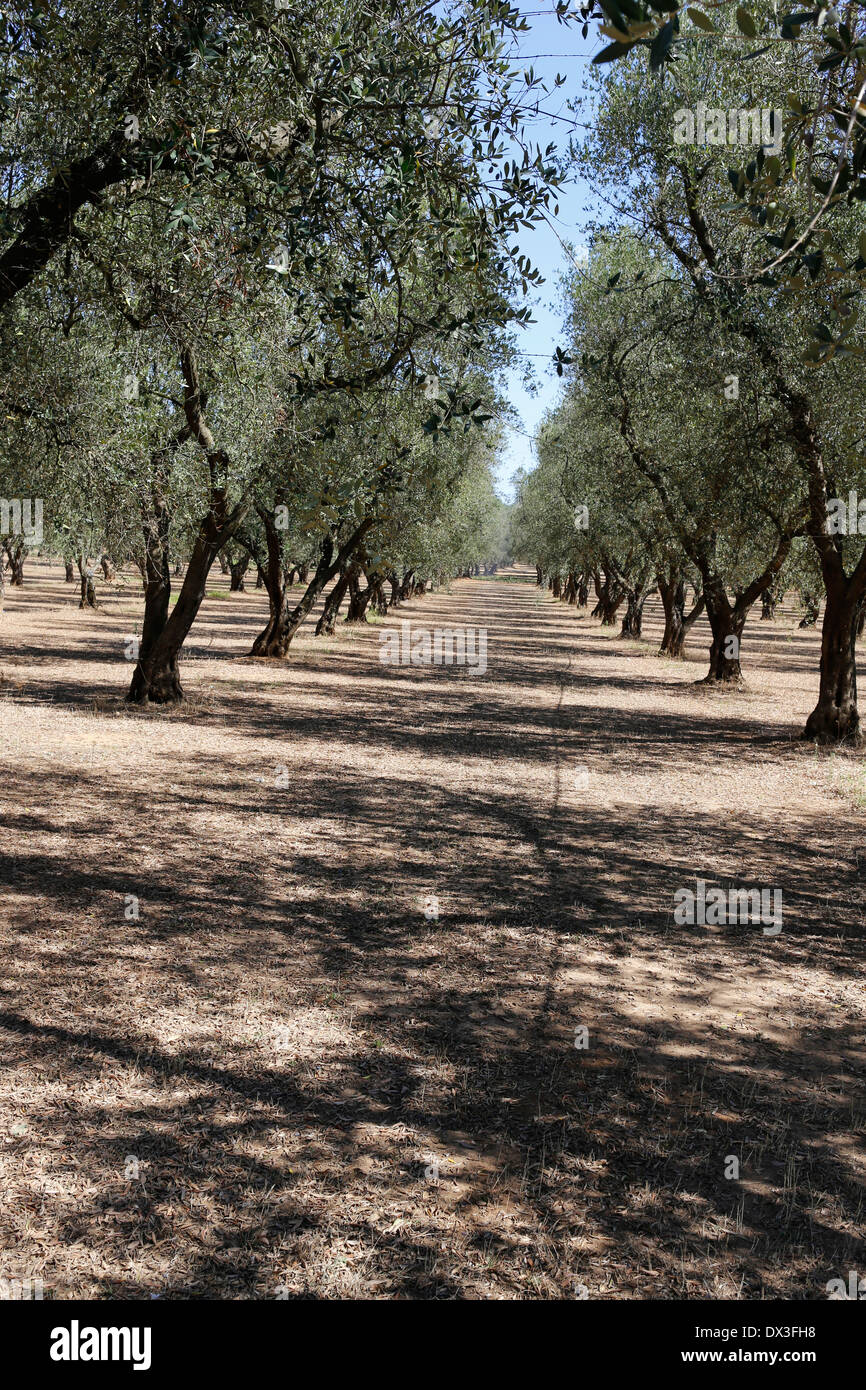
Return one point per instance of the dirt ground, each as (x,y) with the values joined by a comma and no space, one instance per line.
(285,1077)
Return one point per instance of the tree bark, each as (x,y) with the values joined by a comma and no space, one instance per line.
(327,623)
(277,582)
(678,623)
(726,625)
(157,577)
(610,600)
(812,606)
(156,677)
(609,605)
(727,620)
(835,718)
(238,569)
(88,587)
(16,553)
(378,600)
(358,598)
(277,637)
(632,623)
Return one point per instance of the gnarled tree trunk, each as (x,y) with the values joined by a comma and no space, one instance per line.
(326,626)
(88,584)
(726,625)
(678,623)
(610,599)
(157,677)
(278,582)
(378,601)
(281,629)
(727,619)
(358,598)
(835,718)
(636,598)
(237,569)
(15,551)
(157,575)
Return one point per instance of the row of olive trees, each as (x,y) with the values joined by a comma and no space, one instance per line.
(710,447)
(256,277)
(388,486)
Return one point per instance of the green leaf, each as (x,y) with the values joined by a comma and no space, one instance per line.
(703,21)
(737,182)
(661,45)
(614,50)
(746,24)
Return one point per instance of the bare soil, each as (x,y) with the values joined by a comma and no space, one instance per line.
(283,1079)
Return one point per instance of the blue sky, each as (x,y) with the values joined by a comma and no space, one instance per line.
(571,58)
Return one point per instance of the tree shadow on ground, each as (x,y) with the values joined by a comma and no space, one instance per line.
(244,1057)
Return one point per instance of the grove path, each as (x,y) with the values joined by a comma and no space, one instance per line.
(243,1057)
